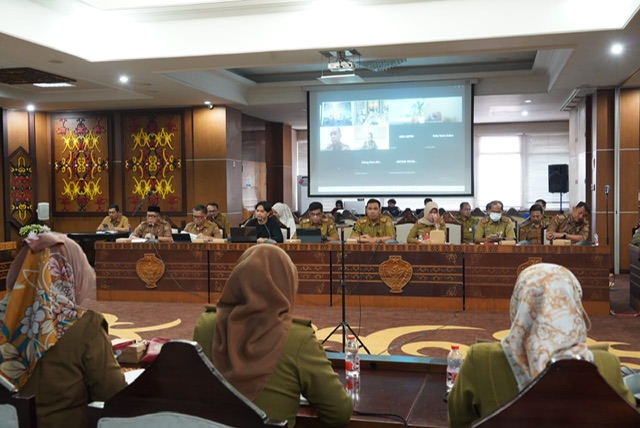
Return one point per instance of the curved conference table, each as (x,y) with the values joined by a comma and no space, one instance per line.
(439,277)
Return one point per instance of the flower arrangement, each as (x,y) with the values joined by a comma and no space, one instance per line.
(32,230)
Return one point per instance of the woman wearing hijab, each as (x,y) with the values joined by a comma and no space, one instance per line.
(426,224)
(50,347)
(284,214)
(265,353)
(547,322)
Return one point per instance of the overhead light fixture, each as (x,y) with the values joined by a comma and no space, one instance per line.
(331,79)
(123,79)
(31,107)
(617,48)
(54,85)
(525,113)
(527,101)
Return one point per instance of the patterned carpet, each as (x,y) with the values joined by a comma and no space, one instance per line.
(384,331)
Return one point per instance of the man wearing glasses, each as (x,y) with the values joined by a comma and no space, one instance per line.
(154,227)
(317,220)
(200,226)
(114,221)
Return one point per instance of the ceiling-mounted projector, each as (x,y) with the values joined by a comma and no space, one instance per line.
(341,66)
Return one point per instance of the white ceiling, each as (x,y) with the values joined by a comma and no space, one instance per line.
(260,56)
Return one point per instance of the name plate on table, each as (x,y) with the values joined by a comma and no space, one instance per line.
(436,237)
(561,242)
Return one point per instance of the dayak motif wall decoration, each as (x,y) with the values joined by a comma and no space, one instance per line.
(81,163)
(153,159)
(21,194)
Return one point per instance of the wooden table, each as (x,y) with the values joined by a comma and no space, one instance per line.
(438,277)
(87,240)
(410,387)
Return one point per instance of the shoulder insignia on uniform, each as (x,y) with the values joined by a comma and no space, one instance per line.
(485,221)
(305,221)
(506,219)
(363,220)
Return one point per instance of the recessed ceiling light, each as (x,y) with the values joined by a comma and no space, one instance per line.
(617,48)
(527,101)
(123,79)
(207,103)
(525,113)
(31,107)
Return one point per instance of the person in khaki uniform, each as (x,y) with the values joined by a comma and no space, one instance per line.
(374,228)
(532,229)
(223,222)
(574,226)
(52,347)
(154,228)
(115,221)
(201,227)
(317,220)
(495,228)
(469,223)
(424,226)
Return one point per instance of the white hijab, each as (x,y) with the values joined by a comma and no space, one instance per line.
(285,216)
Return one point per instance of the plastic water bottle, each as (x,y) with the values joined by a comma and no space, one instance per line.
(454,362)
(352,369)
(352,358)
(595,239)
(420,239)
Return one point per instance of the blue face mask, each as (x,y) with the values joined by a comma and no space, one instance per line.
(495,216)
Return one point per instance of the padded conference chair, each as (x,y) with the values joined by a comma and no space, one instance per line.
(15,411)
(180,388)
(567,393)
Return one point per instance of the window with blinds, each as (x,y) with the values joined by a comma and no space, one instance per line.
(514,168)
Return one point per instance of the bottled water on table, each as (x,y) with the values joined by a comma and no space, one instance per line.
(352,358)
(352,368)
(454,362)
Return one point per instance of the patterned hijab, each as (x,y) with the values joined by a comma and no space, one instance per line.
(254,317)
(49,276)
(547,321)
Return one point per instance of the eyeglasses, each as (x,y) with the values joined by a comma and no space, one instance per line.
(152,215)
(199,216)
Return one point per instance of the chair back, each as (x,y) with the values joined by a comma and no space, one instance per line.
(16,411)
(567,393)
(402,231)
(454,233)
(182,380)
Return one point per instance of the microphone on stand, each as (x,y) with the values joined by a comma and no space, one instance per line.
(146,198)
(606,194)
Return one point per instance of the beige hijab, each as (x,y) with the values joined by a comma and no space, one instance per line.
(547,321)
(254,317)
(427,209)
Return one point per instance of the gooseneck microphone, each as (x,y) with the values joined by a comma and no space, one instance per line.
(146,198)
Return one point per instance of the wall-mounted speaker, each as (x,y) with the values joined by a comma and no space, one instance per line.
(43,211)
(559,178)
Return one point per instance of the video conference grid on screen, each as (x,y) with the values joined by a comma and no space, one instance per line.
(395,140)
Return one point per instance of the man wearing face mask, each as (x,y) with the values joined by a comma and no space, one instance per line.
(531,230)
(495,228)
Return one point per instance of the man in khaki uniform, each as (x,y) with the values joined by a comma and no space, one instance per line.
(374,227)
(154,228)
(531,230)
(223,222)
(317,220)
(201,227)
(574,226)
(469,223)
(495,228)
(115,221)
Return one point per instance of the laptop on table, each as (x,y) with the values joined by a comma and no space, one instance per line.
(244,234)
(309,236)
(181,237)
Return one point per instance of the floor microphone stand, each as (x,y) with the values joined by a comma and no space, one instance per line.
(344,325)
